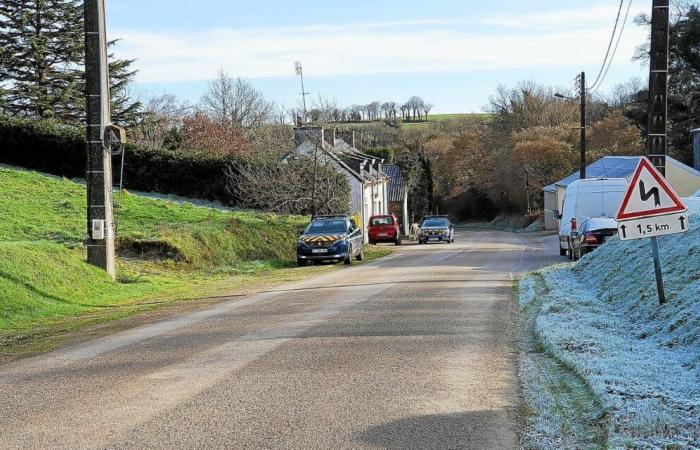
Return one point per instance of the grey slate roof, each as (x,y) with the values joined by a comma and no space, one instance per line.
(397,185)
(614,167)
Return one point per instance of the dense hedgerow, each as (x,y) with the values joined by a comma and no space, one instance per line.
(57,149)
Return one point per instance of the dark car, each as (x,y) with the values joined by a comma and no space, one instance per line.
(591,234)
(436,229)
(384,228)
(330,238)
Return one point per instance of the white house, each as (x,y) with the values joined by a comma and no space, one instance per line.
(368,182)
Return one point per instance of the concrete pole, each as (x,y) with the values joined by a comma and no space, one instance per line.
(100,246)
(658,85)
(583,125)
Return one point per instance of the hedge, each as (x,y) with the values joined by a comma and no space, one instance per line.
(49,147)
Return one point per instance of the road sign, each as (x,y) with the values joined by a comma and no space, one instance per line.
(648,195)
(647,227)
(651,208)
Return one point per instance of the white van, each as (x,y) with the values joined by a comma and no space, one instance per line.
(591,197)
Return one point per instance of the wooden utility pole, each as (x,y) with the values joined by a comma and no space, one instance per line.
(583,125)
(658,85)
(100,242)
(658,110)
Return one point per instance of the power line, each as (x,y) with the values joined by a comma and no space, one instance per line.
(612,38)
(617,44)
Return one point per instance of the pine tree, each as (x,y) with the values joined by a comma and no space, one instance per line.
(41,45)
(42,63)
(125,112)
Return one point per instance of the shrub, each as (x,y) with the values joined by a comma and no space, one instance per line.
(57,149)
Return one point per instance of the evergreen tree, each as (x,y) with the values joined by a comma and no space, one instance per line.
(42,63)
(41,46)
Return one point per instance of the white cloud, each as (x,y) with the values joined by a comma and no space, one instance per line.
(534,40)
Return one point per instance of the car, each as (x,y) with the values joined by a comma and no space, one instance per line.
(591,197)
(330,238)
(436,229)
(384,228)
(592,233)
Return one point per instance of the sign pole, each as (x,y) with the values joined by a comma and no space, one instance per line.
(657,270)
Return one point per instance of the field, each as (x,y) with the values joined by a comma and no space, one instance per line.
(167,252)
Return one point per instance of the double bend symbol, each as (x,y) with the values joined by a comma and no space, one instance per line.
(647,195)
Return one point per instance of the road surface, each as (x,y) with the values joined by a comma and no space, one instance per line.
(416,350)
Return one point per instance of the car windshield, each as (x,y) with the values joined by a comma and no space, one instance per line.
(434,223)
(382,221)
(327,226)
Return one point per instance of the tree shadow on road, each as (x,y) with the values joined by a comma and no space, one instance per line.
(467,430)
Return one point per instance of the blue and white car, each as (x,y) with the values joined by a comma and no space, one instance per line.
(330,238)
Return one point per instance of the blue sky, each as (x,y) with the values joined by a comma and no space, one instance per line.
(452,53)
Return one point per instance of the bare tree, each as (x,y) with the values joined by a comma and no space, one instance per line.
(162,116)
(236,102)
(301,185)
(426,109)
(389,110)
(416,103)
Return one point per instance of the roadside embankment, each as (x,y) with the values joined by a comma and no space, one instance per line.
(600,320)
(167,252)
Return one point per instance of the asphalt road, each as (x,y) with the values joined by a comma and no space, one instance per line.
(416,350)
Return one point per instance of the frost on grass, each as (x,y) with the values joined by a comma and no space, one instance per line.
(527,291)
(559,410)
(602,319)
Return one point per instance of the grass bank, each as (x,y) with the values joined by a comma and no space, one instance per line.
(168,252)
(601,319)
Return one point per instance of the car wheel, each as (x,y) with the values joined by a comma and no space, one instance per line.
(562,251)
(301,262)
(372,243)
(348,260)
(398,241)
(571,252)
(361,256)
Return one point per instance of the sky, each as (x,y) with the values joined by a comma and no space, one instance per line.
(453,53)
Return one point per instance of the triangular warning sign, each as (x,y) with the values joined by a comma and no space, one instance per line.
(649,194)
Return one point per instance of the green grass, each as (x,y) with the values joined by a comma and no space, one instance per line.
(169,252)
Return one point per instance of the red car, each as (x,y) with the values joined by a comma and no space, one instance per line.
(384,228)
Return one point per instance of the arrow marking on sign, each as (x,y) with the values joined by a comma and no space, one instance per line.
(624,231)
(682,219)
(647,195)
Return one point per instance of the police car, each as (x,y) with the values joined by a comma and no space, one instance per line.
(330,238)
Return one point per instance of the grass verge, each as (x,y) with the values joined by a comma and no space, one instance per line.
(169,253)
(559,409)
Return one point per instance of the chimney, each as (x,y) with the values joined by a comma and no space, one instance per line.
(314,135)
(696,148)
(348,136)
(329,136)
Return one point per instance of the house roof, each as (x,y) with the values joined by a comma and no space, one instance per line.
(307,148)
(397,185)
(614,167)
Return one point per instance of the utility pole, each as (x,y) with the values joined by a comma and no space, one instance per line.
(100,242)
(658,85)
(581,79)
(299,71)
(583,125)
(658,110)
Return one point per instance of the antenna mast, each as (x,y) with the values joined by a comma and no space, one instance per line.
(299,71)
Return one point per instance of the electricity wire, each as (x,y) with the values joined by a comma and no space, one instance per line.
(594,88)
(612,39)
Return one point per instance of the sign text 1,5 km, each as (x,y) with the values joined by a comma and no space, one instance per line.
(653,226)
(650,206)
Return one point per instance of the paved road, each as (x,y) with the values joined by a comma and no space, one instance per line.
(412,351)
